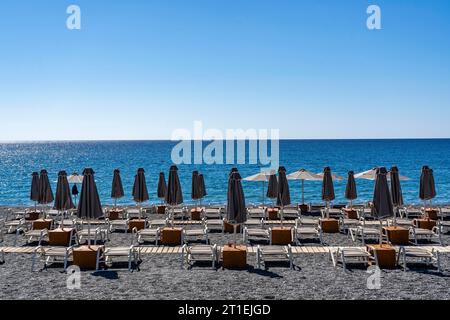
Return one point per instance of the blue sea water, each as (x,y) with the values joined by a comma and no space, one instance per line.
(19,160)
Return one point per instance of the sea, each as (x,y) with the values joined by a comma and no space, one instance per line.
(19,159)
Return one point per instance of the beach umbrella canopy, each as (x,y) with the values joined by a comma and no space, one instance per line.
(396,188)
(45,189)
(34,192)
(162,186)
(89,206)
(303,175)
(201,181)
(382,201)
(272,188)
(350,188)
(75,178)
(117,187)
(236,210)
(372,175)
(284,196)
(195,186)
(63,199)
(427,189)
(140,193)
(174,194)
(261,177)
(327,185)
(74,190)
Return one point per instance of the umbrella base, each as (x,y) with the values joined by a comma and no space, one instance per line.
(32,216)
(229,228)
(281,236)
(350,213)
(171,236)
(60,237)
(160,209)
(234,257)
(431,214)
(272,213)
(196,214)
(139,224)
(385,254)
(41,224)
(85,257)
(329,225)
(303,208)
(115,214)
(425,223)
(397,235)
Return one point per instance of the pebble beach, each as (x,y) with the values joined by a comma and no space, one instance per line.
(160,276)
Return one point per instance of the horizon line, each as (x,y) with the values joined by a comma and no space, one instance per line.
(167,140)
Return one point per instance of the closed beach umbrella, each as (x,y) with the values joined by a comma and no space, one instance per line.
(174,194)
(63,199)
(201,182)
(116,187)
(303,175)
(162,186)
(284,196)
(396,188)
(34,192)
(327,186)
(350,188)
(195,186)
(236,210)
(140,193)
(427,189)
(260,177)
(89,206)
(382,201)
(45,189)
(272,187)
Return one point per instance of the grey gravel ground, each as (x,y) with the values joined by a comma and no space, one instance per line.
(161,277)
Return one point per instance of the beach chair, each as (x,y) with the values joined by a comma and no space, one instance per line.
(2,252)
(67,223)
(11,224)
(152,232)
(134,213)
(291,213)
(194,232)
(400,222)
(255,229)
(332,213)
(212,213)
(366,231)
(353,255)
(425,234)
(413,213)
(119,224)
(266,254)
(215,224)
(417,253)
(256,213)
(309,221)
(306,231)
(346,224)
(31,235)
(132,253)
(202,253)
(49,255)
(94,233)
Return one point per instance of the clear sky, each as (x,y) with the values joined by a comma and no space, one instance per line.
(140,69)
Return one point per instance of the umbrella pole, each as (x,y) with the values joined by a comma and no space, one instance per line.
(235,234)
(263,192)
(89,232)
(303,191)
(281,215)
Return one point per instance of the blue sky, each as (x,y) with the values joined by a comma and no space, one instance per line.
(140,69)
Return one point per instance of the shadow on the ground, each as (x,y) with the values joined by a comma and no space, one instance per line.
(107,274)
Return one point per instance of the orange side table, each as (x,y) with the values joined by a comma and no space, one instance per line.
(385,254)
(272,213)
(139,224)
(350,213)
(281,235)
(397,235)
(425,223)
(160,209)
(329,225)
(85,257)
(196,214)
(431,214)
(303,208)
(171,236)
(60,237)
(234,257)
(229,227)
(115,214)
(41,224)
